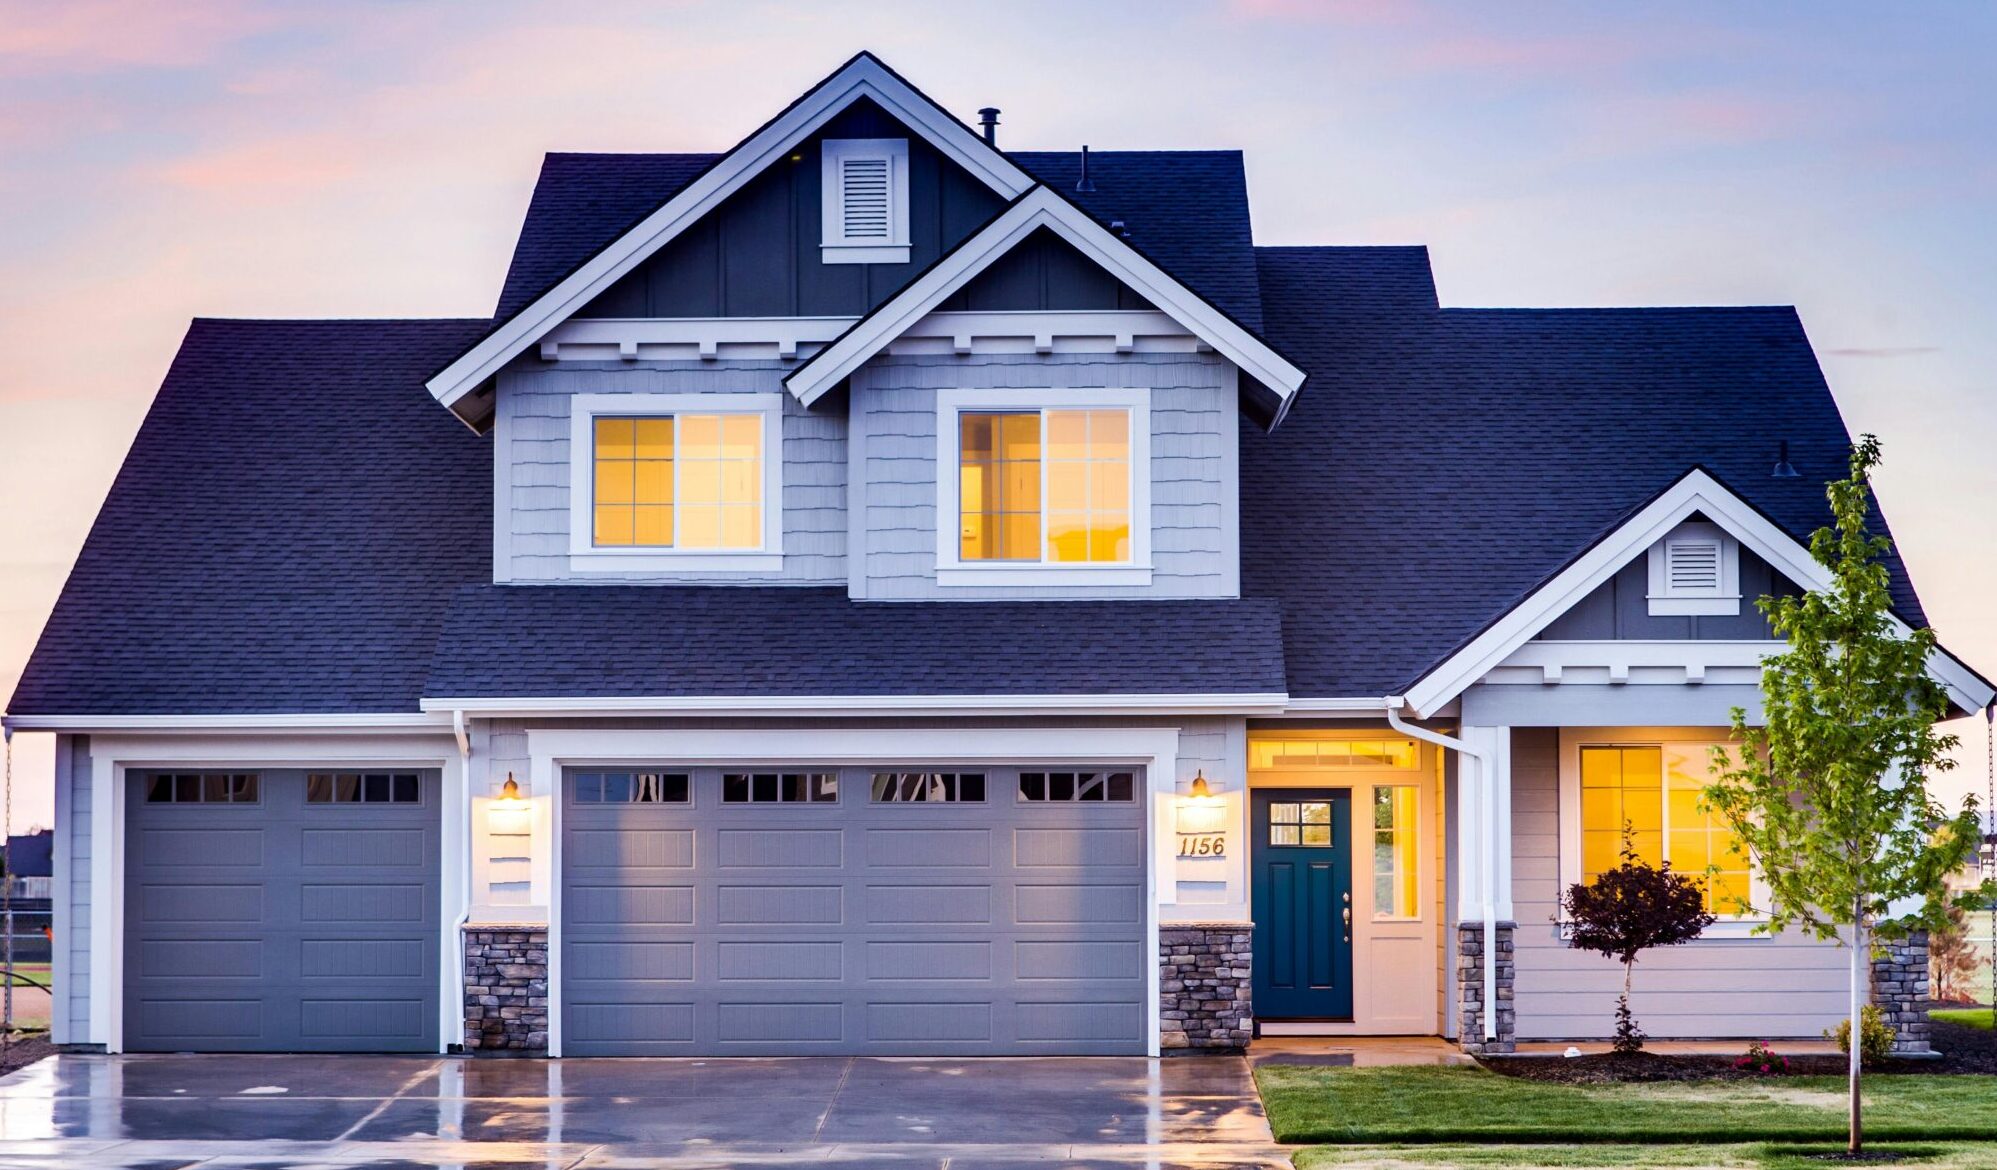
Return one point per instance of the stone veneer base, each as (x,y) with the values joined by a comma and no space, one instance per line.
(506,990)
(1204,975)
(1900,992)
(1470,991)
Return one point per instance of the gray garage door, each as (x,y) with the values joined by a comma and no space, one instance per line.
(281,911)
(948,911)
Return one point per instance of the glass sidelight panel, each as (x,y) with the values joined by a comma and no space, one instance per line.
(1395,836)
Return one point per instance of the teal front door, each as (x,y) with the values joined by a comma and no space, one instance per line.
(1301,858)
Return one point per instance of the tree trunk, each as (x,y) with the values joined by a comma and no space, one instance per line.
(1858,984)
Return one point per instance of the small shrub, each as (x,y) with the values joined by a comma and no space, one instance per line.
(1762,1060)
(1626,911)
(1875,1039)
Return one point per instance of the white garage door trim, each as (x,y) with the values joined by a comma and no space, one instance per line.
(550,750)
(111,756)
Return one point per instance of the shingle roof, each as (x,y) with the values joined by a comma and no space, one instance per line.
(1186,210)
(1446,462)
(284,534)
(639,640)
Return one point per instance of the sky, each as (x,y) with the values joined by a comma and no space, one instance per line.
(231,158)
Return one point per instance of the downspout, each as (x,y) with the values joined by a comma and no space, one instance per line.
(1486,808)
(464,738)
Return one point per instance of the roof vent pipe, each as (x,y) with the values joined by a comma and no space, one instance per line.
(1783,468)
(1085,185)
(988,118)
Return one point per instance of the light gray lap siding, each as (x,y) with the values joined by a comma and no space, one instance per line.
(1784,986)
(531,477)
(71,919)
(1194,476)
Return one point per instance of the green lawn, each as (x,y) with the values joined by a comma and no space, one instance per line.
(1929,1155)
(1387,1105)
(1978,1017)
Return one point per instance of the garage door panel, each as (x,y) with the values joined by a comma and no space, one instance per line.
(913,924)
(761,905)
(328,942)
(929,959)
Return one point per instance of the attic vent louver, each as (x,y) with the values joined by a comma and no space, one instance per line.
(1695,570)
(864,184)
(1693,566)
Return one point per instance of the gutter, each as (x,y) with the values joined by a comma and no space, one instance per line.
(1486,805)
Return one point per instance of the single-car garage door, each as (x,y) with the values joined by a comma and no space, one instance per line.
(281,911)
(961,911)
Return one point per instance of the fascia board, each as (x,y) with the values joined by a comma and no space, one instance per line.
(865,77)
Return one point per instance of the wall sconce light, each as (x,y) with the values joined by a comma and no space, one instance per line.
(1200,810)
(509,792)
(509,814)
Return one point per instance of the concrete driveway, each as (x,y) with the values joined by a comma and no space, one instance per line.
(378,1112)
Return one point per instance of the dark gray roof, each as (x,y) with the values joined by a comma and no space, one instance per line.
(1444,463)
(1185,210)
(639,640)
(284,535)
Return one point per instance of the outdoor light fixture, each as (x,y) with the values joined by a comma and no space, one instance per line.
(1201,819)
(509,792)
(1200,789)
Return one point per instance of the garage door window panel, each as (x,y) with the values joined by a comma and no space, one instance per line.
(1069,787)
(203,788)
(324,788)
(929,788)
(633,787)
(779,788)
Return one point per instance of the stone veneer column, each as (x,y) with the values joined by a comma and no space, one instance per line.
(506,990)
(1204,972)
(1470,997)
(1900,991)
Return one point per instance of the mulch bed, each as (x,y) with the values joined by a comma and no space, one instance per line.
(1968,1050)
(26,1050)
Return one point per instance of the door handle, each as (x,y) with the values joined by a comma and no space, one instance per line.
(1347,912)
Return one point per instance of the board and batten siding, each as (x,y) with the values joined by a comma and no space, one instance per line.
(1195,483)
(532,469)
(1784,986)
(1619,609)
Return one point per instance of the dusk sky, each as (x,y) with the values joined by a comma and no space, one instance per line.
(162,161)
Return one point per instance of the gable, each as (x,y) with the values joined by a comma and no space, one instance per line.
(1043,273)
(1619,609)
(758,254)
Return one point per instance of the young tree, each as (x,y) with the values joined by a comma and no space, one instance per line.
(1953,960)
(1626,911)
(1830,796)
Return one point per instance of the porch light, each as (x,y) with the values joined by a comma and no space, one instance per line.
(1200,789)
(1201,810)
(509,793)
(509,814)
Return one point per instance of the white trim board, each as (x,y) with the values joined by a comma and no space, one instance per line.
(1243,703)
(392,723)
(1039,208)
(1696,492)
(862,77)
(1156,748)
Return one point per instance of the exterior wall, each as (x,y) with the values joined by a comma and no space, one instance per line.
(1620,609)
(70,1008)
(1195,483)
(1781,986)
(531,468)
(757,255)
(1046,273)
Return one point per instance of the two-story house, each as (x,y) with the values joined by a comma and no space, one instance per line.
(872,591)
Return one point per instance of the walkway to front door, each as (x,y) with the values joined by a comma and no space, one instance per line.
(1301,853)
(1083,1113)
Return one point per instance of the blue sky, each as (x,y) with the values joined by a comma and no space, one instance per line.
(360,159)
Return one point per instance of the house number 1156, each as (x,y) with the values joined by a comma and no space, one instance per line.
(1202,845)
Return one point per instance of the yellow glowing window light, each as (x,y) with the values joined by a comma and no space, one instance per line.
(1654,791)
(1044,485)
(1396,834)
(688,481)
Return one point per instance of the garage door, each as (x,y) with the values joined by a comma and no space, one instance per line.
(944,911)
(281,911)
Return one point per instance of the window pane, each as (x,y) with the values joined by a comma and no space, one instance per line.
(247,788)
(616,438)
(1088,476)
(1317,834)
(1395,866)
(654,439)
(1283,834)
(1622,789)
(1122,786)
(406,790)
(1317,812)
(318,789)
(346,788)
(215,788)
(159,790)
(613,525)
(186,789)
(617,787)
(735,789)
(1285,813)
(1033,786)
(998,502)
(377,789)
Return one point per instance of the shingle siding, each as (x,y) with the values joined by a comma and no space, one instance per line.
(531,437)
(1194,419)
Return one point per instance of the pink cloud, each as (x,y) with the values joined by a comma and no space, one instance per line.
(90,36)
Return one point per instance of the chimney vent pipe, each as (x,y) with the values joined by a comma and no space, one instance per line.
(988,118)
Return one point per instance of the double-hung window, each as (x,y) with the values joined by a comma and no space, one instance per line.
(1644,790)
(670,482)
(1048,486)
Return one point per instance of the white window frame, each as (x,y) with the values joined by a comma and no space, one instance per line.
(836,247)
(587,556)
(952,570)
(1666,601)
(1572,740)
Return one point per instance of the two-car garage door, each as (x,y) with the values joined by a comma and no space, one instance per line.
(281,911)
(717,911)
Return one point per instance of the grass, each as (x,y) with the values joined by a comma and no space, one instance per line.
(1763,1156)
(1977,1017)
(1375,1105)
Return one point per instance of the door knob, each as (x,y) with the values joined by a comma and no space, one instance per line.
(1347,912)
